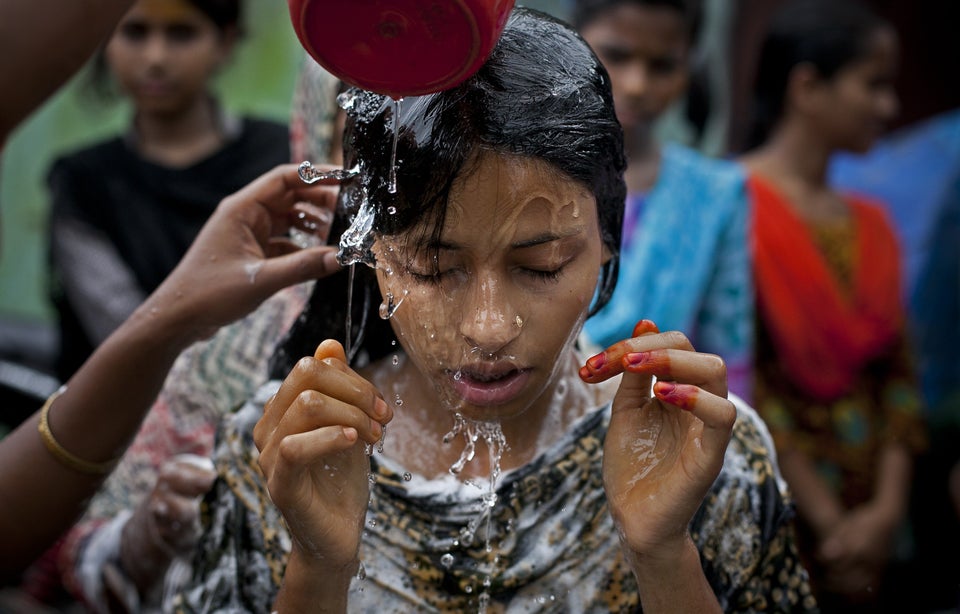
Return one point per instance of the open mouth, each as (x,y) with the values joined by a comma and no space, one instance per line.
(489,384)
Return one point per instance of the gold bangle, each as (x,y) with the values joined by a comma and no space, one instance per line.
(53,446)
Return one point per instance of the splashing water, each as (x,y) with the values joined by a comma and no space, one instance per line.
(357,241)
(309,174)
(392,186)
(491,433)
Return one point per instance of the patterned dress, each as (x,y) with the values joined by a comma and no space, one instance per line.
(548,543)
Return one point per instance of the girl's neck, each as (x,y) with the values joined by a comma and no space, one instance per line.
(183,138)
(795,161)
(793,154)
(643,160)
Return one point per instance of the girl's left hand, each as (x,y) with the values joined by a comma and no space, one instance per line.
(663,450)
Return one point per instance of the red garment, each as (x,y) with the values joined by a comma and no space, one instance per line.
(824,334)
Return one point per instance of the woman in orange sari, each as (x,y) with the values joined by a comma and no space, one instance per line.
(835,381)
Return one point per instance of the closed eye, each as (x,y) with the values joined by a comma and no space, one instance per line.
(551,275)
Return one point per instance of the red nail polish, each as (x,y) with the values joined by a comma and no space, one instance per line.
(597,362)
(636,358)
(666,388)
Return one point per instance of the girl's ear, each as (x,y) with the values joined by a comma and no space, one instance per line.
(805,87)
(228,41)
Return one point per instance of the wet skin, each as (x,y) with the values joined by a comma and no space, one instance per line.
(539,261)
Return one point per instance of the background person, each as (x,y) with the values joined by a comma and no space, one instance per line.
(685,254)
(125,209)
(835,372)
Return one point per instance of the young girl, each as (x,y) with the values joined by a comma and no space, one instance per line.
(511,477)
(685,252)
(125,210)
(834,376)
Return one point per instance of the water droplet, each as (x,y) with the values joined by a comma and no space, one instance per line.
(309,174)
(446,560)
(389,307)
(395,360)
(407,476)
(392,210)
(519,322)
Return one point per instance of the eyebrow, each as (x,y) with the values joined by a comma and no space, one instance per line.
(547,237)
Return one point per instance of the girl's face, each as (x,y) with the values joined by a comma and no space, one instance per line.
(488,315)
(164,52)
(645,50)
(859,101)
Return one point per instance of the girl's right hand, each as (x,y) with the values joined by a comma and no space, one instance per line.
(311,440)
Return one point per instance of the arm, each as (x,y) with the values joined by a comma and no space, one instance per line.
(661,455)
(44,43)
(311,447)
(815,500)
(100,287)
(236,262)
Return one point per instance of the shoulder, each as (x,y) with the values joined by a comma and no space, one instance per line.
(91,156)
(701,166)
(720,180)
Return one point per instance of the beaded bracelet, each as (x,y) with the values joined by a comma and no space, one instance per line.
(53,446)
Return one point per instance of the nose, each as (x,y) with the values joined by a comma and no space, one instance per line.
(489,323)
(634,79)
(155,49)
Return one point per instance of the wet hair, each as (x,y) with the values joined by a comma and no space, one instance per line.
(541,94)
(226,15)
(826,34)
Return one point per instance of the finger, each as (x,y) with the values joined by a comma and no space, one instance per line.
(279,190)
(289,264)
(707,371)
(329,374)
(312,410)
(643,327)
(330,348)
(312,219)
(608,363)
(717,414)
(297,452)
(185,477)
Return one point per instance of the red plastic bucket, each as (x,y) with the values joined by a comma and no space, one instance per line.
(400,47)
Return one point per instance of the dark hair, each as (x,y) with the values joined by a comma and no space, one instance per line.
(225,15)
(541,94)
(585,11)
(826,34)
